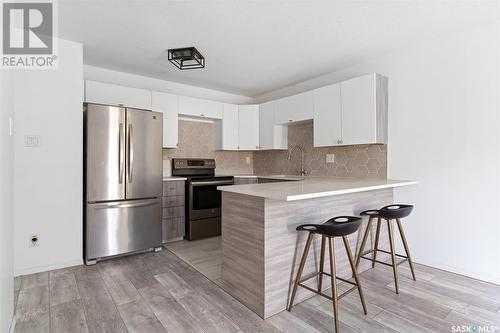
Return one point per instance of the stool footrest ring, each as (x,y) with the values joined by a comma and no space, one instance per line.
(325,295)
(383,251)
(328,274)
(385,263)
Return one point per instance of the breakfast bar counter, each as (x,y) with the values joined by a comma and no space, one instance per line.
(260,246)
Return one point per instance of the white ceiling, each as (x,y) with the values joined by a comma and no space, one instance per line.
(253,47)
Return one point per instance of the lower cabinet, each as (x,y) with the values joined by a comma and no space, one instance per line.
(173,212)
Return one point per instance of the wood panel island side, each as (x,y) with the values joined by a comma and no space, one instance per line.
(261,249)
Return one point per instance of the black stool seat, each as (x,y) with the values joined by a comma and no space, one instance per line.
(370,212)
(397,211)
(334,227)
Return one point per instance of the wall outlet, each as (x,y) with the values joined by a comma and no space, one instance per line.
(248,159)
(330,158)
(32,141)
(34,240)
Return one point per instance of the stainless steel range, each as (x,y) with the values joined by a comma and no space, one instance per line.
(203,200)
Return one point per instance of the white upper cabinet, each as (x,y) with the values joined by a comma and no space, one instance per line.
(248,127)
(112,94)
(168,104)
(271,136)
(327,116)
(198,107)
(351,112)
(226,130)
(294,108)
(359,110)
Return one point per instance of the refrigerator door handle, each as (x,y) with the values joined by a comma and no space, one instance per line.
(129,204)
(130,153)
(121,154)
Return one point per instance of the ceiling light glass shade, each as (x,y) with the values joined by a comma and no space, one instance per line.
(186,58)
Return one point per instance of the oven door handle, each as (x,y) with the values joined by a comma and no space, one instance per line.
(215,182)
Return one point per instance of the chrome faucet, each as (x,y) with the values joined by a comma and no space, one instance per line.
(290,150)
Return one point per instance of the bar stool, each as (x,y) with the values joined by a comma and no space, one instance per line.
(388,213)
(339,226)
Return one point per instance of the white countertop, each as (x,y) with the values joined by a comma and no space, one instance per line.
(283,177)
(172,178)
(312,187)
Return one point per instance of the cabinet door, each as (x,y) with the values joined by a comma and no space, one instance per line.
(359,110)
(229,127)
(266,125)
(168,105)
(327,116)
(271,136)
(248,127)
(198,107)
(294,108)
(112,94)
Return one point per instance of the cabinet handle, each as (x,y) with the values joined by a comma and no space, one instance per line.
(201,114)
(290,120)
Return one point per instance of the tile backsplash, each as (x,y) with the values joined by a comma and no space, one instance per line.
(196,141)
(361,161)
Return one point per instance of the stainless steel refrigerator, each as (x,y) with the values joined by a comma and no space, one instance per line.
(123,181)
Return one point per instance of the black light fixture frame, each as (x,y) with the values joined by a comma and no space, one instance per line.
(180,57)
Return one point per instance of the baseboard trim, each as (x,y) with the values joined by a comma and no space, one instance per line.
(44,268)
(173,240)
(451,269)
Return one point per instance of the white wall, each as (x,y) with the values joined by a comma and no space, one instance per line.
(444,131)
(6,203)
(48,179)
(143,82)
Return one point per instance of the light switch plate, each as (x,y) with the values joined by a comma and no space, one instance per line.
(32,141)
(330,158)
(248,159)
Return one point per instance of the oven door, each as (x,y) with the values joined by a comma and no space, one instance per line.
(204,198)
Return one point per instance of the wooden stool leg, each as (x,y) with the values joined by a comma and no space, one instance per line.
(407,250)
(377,237)
(321,263)
(354,272)
(334,283)
(393,255)
(301,268)
(363,242)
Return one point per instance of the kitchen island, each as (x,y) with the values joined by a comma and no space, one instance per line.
(261,249)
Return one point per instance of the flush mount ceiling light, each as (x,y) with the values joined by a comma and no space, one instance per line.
(186,58)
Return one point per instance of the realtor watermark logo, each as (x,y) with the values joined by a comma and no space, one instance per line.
(28,35)
(474,328)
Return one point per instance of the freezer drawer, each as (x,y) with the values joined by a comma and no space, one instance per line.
(114,228)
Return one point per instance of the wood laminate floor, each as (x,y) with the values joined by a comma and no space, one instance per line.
(159,292)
